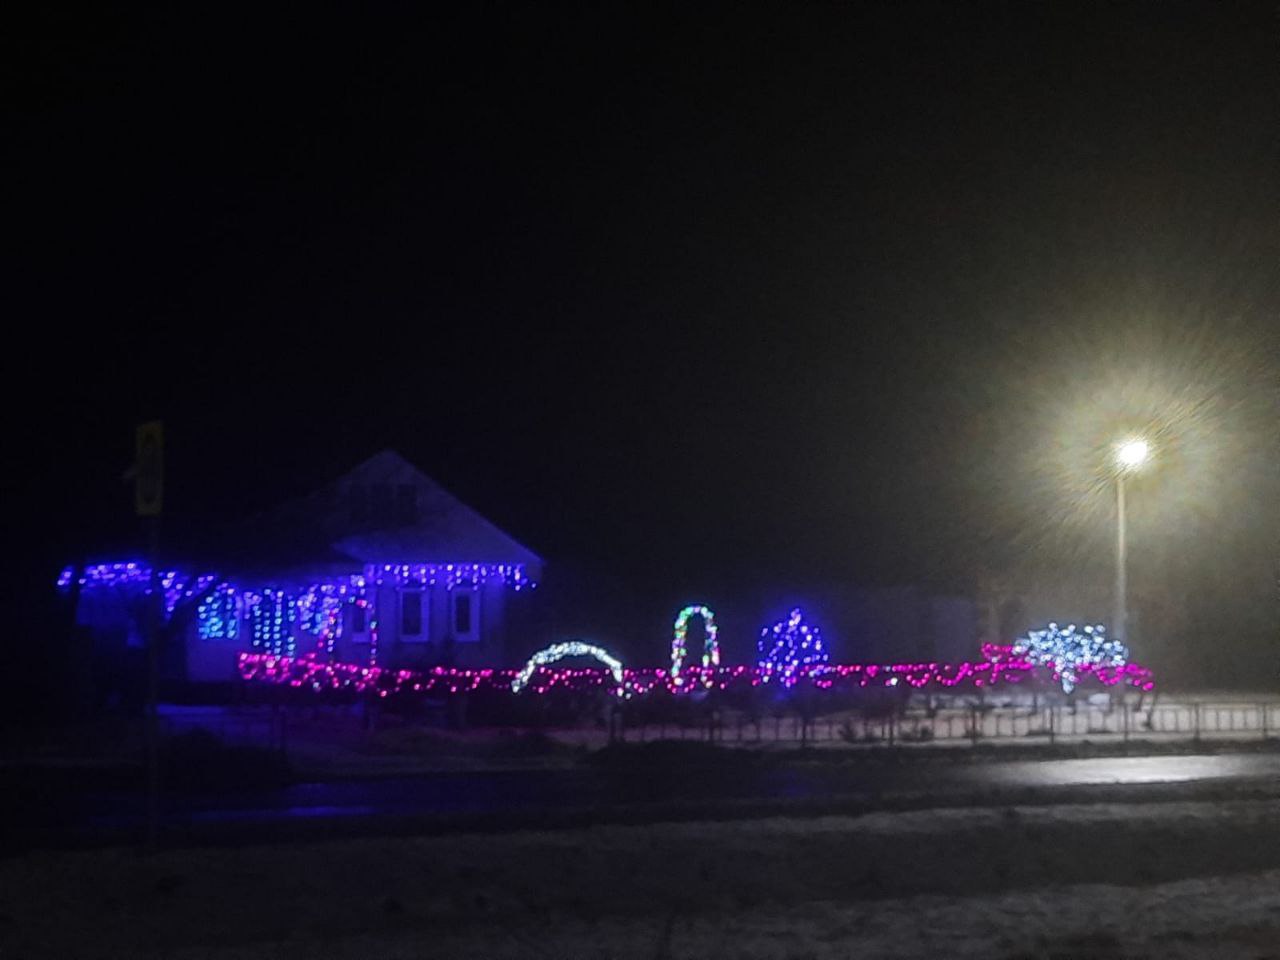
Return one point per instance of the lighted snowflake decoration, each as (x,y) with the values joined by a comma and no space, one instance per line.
(1070,652)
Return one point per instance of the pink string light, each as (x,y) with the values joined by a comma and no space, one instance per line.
(1000,667)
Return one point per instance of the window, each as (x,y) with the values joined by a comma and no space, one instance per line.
(411,613)
(406,504)
(358,624)
(461,612)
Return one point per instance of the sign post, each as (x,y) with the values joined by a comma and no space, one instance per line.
(148,501)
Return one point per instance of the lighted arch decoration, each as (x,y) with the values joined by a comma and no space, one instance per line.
(710,649)
(572,648)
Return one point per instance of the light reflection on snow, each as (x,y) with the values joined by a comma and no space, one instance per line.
(1128,770)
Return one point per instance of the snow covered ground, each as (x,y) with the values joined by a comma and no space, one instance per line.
(1177,879)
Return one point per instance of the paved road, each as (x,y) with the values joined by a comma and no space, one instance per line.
(503,799)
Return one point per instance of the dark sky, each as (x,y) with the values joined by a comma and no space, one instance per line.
(808,292)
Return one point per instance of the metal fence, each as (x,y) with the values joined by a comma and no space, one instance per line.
(955,725)
(1179,721)
(256,728)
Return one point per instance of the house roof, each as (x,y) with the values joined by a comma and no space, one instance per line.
(446,528)
(324,528)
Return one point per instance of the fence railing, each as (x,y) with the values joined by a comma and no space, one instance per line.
(1191,721)
(233,727)
(954,725)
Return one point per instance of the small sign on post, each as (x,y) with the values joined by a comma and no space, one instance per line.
(149,470)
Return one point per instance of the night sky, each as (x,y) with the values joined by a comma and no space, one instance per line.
(840,292)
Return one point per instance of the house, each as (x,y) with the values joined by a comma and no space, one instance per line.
(381,566)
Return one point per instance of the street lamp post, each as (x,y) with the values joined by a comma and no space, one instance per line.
(1121,629)
(1130,456)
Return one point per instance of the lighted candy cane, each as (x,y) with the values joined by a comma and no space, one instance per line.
(710,649)
(573,648)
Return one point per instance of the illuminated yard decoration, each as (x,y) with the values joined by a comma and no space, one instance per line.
(710,649)
(1070,652)
(1000,668)
(573,648)
(790,649)
(288,637)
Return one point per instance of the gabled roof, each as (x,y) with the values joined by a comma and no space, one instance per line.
(323,528)
(446,530)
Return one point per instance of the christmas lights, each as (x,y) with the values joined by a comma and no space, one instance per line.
(319,611)
(1070,652)
(790,652)
(179,585)
(174,585)
(320,674)
(316,609)
(218,616)
(450,575)
(324,602)
(271,615)
(790,649)
(573,648)
(710,648)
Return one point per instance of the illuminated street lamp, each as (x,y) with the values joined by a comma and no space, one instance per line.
(1130,454)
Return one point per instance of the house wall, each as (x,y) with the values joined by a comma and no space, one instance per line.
(346,648)
(438,642)
(214,660)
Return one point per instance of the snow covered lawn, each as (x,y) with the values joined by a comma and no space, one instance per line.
(1179,879)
